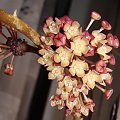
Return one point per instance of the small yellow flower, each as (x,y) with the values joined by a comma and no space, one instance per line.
(63,55)
(79,46)
(84,110)
(47,40)
(70,105)
(103,50)
(66,84)
(90,78)
(69,83)
(60,84)
(61,105)
(51,26)
(76,92)
(84,89)
(78,68)
(98,38)
(105,77)
(57,102)
(64,95)
(72,30)
(46,59)
(58,91)
(78,105)
(56,72)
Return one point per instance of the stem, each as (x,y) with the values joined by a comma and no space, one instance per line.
(4,46)
(32,49)
(2,57)
(13,33)
(90,23)
(12,59)
(9,31)
(101,29)
(3,35)
(19,25)
(100,88)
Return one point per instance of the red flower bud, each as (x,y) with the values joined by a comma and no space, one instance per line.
(108,93)
(51,35)
(101,66)
(72,99)
(110,39)
(79,86)
(59,39)
(8,69)
(64,20)
(106,25)
(57,97)
(95,15)
(91,51)
(112,59)
(86,35)
(116,42)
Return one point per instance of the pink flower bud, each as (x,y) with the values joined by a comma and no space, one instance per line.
(108,93)
(50,18)
(100,66)
(116,42)
(112,59)
(77,110)
(44,25)
(64,20)
(8,69)
(91,51)
(51,35)
(106,25)
(57,97)
(59,39)
(79,86)
(110,39)
(86,35)
(45,22)
(72,99)
(95,15)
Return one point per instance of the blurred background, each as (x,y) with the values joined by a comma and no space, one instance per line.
(25,95)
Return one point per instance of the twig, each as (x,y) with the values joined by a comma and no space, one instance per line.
(3,35)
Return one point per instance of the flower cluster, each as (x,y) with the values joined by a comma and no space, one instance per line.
(65,51)
(65,54)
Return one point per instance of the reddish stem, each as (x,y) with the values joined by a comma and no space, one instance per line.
(3,35)
(4,46)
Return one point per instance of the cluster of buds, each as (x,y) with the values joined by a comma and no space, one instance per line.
(13,47)
(8,69)
(65,53)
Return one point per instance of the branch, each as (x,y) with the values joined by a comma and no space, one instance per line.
(20,26)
